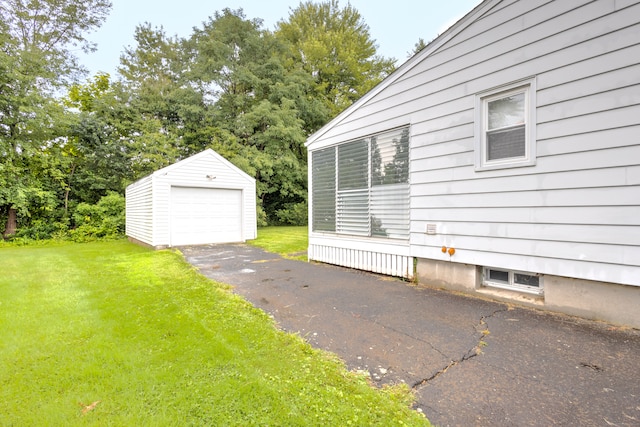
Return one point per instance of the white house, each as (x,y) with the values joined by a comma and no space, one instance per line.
(502,160)
(199,200)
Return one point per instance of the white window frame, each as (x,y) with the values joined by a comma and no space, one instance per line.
(528,87)
(511,283)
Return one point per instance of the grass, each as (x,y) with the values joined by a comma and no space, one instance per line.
(290,242)
(109,333)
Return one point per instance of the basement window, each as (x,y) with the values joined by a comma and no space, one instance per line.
(513,280)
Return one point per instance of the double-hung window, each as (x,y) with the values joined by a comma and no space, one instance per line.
(505,127)
(361,187)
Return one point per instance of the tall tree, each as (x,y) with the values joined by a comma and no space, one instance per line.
(47,31)
(170,110)
(94,158)
(262,110)
(333,44)
(36,42)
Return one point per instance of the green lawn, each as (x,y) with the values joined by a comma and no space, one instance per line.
(288,241)
(109,333)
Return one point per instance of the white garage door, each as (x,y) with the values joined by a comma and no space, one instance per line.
(205,215)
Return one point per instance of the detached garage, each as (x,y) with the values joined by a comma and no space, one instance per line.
(200,200)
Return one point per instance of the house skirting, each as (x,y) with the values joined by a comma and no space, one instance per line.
(376,262)
(609,302)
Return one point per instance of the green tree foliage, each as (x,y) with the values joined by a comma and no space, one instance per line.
(262,109)
(420,44)
(36,42)
(333,44)
(104,219)
(252,95)
(93,158)
(44,34)
(168,112)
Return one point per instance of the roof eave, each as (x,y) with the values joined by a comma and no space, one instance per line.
(404,68)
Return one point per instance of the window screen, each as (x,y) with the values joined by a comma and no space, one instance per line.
(390,158)
(361,187)
(323,163)
(353,188)
(506,132)
(390,184)
(353,165)
(353,212)
(506,143)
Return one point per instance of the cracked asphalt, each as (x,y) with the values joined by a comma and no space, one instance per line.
(471,362)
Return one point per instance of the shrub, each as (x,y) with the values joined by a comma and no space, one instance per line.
(261,216)
(293,214)
(105,219)
(38,229)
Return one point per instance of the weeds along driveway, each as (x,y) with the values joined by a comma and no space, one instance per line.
(470,361)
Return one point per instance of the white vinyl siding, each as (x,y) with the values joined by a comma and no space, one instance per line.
(139,210)
(573,214)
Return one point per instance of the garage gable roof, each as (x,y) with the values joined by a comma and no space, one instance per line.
(204,154)
(443,38)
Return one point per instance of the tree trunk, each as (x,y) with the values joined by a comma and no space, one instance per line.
(12,224)
(68,190)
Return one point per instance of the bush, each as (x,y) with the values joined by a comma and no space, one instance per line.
(104,220)
(261,216)
(294,214)
(39,229)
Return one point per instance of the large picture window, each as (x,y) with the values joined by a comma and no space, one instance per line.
(361,187)
(505,127)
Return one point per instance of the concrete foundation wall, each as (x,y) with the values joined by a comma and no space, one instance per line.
(612,303)
(449,275)
(609,302)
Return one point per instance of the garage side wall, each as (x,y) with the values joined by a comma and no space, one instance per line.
(205,171)
(139,211)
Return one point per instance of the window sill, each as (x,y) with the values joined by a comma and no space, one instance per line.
(512,295)
(505,165)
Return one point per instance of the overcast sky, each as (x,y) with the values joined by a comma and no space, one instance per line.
(396,25)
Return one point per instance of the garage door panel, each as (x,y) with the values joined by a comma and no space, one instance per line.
(205,215)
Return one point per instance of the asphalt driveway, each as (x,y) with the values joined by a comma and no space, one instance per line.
(470,361)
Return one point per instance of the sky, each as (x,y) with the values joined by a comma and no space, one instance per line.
(395,25)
